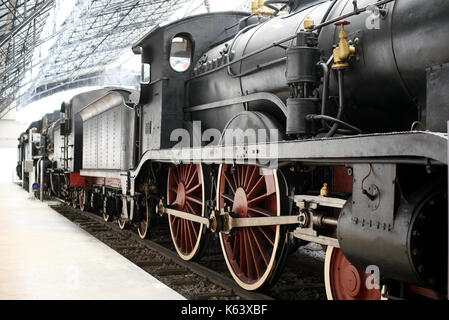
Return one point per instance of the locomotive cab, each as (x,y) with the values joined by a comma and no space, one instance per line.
(170,54)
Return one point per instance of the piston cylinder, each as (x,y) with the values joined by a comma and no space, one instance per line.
(411,250)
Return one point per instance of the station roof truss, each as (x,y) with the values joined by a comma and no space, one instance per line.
(21,24)
(94,35)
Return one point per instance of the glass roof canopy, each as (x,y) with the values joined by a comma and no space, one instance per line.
(48,45)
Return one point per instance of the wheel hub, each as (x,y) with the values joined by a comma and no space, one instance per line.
(181,196)
(240,203)
(344,281)
(351,280)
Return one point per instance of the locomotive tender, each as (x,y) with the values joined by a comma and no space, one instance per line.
(351,96)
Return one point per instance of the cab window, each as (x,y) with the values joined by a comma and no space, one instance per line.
(180,53)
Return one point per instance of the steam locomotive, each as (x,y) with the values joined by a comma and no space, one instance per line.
(306,121)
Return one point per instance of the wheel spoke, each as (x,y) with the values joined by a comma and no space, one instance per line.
(230,183)
(189,235)
(236,179)
(260,245)
(236,247)
(252,179)
(245,180)
(194,199)
(260,211)
(178,225)
(192,178)
(227,197)
(241,175)
(188,176)
(252,246)
(193,189)
(249,261)
(175,175)
(183,238)
(189,206)
(257,187)
(195,231)
(242,253)
(259,198)
(181,174)
(173,189)
(267,235)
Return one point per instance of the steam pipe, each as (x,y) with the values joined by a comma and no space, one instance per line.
(335,120)
(326,15)
(341,105)
(269,4)
(325,89)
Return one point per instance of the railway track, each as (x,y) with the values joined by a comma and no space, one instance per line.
(207,280)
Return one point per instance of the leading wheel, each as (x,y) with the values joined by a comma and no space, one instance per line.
(254,255)
(186,189)
(344,281)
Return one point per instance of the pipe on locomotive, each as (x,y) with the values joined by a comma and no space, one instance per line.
(341,104)
(270,4)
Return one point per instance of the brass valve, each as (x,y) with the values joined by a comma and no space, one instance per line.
(258,8)
(309,24)
(324,192)
(344,49)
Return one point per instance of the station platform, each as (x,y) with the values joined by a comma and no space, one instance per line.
(45,256)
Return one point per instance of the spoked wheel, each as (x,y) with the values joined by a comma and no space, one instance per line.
(107,208)
(344,281)
(74,199)
(121,222)
(83,198)
(254,255)
(144,225)
(94,201)
(187,191)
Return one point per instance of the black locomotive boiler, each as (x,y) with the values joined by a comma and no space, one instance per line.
(349,102)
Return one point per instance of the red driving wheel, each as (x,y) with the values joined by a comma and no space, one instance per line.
(185,191)
(250,252)
(344,281)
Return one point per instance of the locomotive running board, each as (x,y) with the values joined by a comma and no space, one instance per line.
(405,147)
